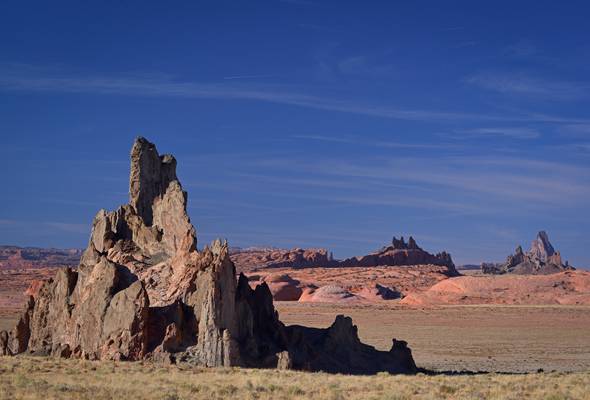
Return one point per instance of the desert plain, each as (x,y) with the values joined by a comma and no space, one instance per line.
(486,351)
(535,352)
(145,312)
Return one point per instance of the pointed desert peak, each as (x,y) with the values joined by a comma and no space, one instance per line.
(149,178)
(541,247)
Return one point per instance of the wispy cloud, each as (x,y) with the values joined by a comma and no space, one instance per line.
(511,132)
(160,86)
(364,66)
(359,140)
(482,182)
(523,84)
(579,130)
(231,77)
(69,227)
(469,43)
(47,227)
(300,2)
(522,48)
(166,88)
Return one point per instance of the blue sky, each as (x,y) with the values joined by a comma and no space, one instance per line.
(304,122)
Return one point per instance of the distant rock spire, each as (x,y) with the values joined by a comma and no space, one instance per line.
(541,247)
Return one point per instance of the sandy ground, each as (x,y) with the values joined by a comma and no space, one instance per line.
(499,338)
(475,338)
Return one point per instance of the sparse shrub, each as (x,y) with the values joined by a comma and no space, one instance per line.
(295,391)
(171,396)
(445,389)
(556,396)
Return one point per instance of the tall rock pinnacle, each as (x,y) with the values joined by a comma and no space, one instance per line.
(150,176)
(541,247)
(142,290)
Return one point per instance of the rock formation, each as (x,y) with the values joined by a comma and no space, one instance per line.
(256,258)
(13,257)
(398,253)
(567,287)
(282,286)
(402,253)
(143,290)
(541,259)
(328,294)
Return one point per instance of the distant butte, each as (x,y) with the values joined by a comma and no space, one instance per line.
(398,253)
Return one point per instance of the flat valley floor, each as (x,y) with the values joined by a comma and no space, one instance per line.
(507,340)
(467,338)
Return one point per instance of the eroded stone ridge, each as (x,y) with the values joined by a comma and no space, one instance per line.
(142,290)
(397,254)
(402,253)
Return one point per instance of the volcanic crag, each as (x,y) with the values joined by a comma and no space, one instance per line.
(541,259)
(142,290)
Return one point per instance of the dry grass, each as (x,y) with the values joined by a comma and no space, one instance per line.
(44,378)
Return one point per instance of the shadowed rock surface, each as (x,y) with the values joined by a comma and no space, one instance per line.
(541,259)
(142,290)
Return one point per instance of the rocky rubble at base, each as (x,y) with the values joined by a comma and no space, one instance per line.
(541,259)
(143,291)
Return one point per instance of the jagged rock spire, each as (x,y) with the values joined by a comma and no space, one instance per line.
(541,247)
(142,290)
(150,177)
(540,259)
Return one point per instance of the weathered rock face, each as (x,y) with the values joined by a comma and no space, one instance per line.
(541,259)
(142,290)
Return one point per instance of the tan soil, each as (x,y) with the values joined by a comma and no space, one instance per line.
(476,338)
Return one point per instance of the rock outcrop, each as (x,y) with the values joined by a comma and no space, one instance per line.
(397,254)
(402,253)
(143,290)
(568,287)
(328,294)
(257,258)
(282,286)
(541,259)
(14,257)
